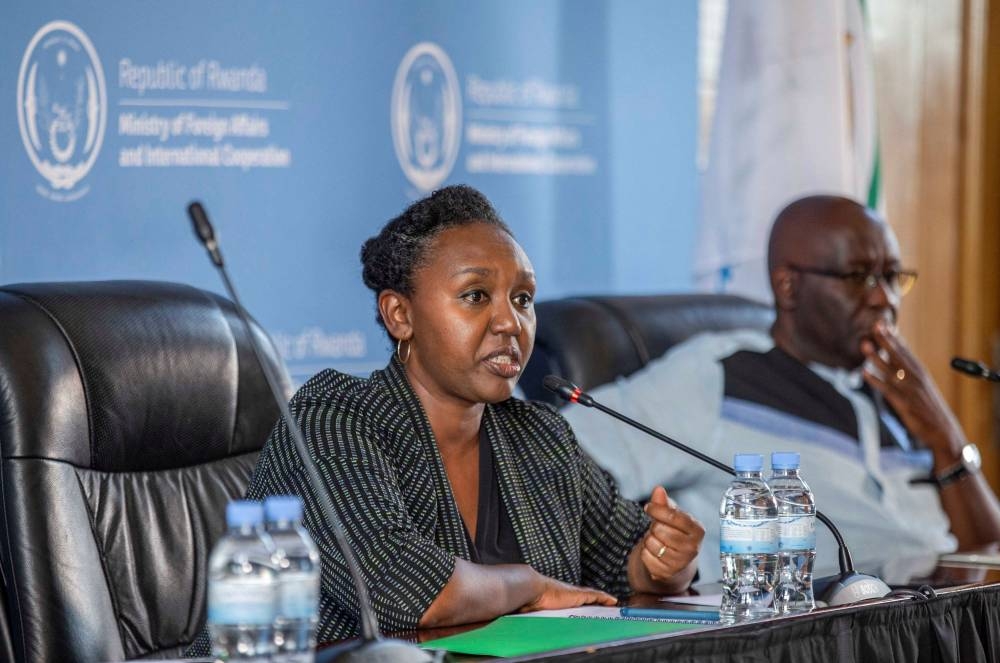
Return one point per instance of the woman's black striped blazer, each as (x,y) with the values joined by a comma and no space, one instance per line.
(374,447)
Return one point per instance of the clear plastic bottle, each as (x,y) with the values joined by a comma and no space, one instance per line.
(748,549)
(793,590)
(297,561)
(242,587)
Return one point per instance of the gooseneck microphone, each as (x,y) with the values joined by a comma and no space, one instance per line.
(849,587)
(372,646)
(974,368)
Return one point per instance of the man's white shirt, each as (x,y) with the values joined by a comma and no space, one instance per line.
(863,488)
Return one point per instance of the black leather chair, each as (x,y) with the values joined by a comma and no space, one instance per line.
(593,340)
(130,413)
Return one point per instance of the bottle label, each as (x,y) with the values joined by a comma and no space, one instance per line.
(797,532)
(241,600)
(749,535)
(298,595)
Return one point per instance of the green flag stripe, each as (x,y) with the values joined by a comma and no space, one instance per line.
(875,185)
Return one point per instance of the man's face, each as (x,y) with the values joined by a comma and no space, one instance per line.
(834,315)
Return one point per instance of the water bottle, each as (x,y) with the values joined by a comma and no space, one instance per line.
(748,549)
(297,562)
(242,587)
(796,534)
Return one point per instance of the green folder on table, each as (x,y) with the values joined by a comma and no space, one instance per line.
(518,636)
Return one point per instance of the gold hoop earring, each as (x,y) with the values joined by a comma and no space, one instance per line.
(399,351)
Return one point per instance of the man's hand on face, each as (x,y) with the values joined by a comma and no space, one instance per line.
(892,370)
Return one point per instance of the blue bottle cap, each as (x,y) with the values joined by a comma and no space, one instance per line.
(748,462)
(283,507)
(785,460)
(240,513)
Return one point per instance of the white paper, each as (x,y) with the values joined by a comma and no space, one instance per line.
(976,559)
(600,611)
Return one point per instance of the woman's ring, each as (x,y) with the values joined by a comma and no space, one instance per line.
(901,375)
(659,553)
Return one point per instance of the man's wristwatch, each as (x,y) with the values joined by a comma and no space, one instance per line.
(971,461)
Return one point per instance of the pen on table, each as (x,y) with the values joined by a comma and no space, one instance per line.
(666,613)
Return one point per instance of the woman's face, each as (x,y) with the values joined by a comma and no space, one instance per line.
(472,315)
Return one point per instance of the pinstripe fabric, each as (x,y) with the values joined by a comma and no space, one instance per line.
(373,444)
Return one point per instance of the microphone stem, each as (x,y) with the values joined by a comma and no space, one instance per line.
(663,438)
(843,554)
(369,625)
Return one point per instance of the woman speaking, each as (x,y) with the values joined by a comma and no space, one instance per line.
(462,502)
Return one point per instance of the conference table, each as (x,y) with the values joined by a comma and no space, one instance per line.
(961,623)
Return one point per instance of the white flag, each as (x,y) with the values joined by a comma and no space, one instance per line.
(794,115)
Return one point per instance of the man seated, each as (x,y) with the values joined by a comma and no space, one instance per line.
(884,455)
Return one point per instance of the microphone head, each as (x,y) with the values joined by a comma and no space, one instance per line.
(566,390)
(970,367)
(557,384)
(205,232)
(202,226)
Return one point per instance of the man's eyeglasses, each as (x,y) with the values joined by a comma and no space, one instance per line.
(898,281)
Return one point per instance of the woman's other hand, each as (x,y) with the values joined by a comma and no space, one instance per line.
(556,595)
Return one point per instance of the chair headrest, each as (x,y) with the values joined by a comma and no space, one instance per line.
(592,340)
(154,374)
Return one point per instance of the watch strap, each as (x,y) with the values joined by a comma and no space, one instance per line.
(951,475)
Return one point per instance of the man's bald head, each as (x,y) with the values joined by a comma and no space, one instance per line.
(811,222)
(817,244)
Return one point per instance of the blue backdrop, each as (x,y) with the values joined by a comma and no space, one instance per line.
(304,126)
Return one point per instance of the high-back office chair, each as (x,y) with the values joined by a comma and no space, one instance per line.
(130,413)
(593,340)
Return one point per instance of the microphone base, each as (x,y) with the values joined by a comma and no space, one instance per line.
(851,587)
(383,650)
